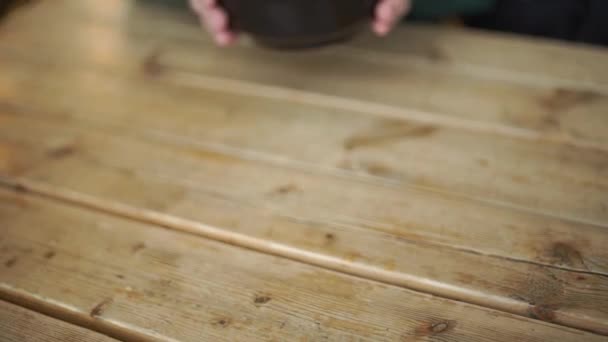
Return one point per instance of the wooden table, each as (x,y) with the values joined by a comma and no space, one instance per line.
(437,185)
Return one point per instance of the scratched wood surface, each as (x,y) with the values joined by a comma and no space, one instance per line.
(551,90)
(369,229)
(511,171)
(555,164)
(405,163)
(129,279)
(22,325)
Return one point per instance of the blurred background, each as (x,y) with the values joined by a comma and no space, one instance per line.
(583,21)
(573,20)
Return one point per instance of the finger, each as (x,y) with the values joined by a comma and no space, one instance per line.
(388,13)
(203,6)
(385,12)
(381,28)
(225,38)
(216,20)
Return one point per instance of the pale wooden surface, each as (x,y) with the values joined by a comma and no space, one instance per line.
(547,159)
(461,164)
(365,224)
(21,325)
(158,284)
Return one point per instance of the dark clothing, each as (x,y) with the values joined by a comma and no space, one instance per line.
(437,9)
(574,20)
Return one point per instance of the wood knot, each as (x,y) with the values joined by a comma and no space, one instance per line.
(138,247)
(100,308)
(434,328)
(49,255)
(61,152)
(543,312)
(261,299)
(564,254)
(389,133)
(286,189)
(151,65)
(436,54)
(377,169)
(20,188)
(439,327)
(562,99)
(483,162)
(222,322)
(11,262)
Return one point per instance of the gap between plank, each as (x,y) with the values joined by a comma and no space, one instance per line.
(500,74)
(182,76)
(285,162)
(456,66)
(251,88)
(156,136)
(477,71)
(178,224)
(296,218)
(66,313)
(188,78)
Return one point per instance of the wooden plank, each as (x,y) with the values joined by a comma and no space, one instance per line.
(452,49)
(407,237)
(206,119)
(552,178)
(18,324)
(390,86)
(560,253)
(383,86)
(157,284)
(544,166)
(507,57)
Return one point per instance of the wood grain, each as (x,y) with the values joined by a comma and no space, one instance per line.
(549,165)
(120,275)
(401,151)
(472,174)
(425,89)
(21,325)
(545,62)
(397,150)
(362,228)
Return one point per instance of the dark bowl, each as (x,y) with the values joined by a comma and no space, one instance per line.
(294,24)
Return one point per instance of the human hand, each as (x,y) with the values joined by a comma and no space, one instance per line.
(388,13)
(215,20)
